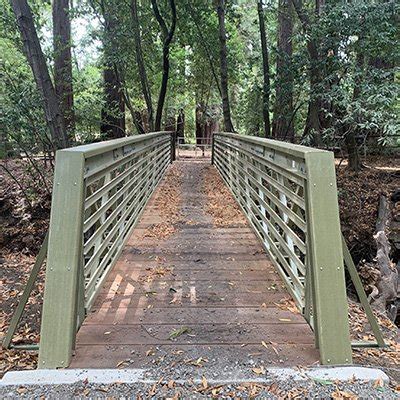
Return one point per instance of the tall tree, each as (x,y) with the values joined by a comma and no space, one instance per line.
(282,127)
(63,62)
(265,60)
(167,35)
(313,126)
(350,136)
(113,111)
(226,110)
(204,43)
(180,125)
(37,62)
(144,81)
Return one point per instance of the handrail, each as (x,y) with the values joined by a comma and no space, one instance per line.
(288,193)
(99,193)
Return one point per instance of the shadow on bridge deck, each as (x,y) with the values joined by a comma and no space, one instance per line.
(214,284)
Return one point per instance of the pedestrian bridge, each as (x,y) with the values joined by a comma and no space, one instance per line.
(113,293)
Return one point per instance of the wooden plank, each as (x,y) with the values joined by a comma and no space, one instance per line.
(244,315)
(299,333)
(220,275)
(147,263)
(146,254)
(221,355)
(120,283)
(205,299)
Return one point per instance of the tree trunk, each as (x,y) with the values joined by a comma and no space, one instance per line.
(168,35)
(283,127)
(204,44)
(385,293)
(200,123)
(313,124)
(265,59)
(37,62)
(136,115)
(180,125)
(113,112)
(63,63)
(141,67)
(352,151)
(170,122)
(226,110)
(350,139)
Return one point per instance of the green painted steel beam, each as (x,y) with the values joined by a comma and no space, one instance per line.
(91,150)
(59,318)
(351,268)
(288,148)
(330,308)
(26,293)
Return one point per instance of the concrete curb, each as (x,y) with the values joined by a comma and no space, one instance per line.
(132,376)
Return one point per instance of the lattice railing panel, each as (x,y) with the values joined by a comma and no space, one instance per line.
(272,197)
(115,196)
(288,194)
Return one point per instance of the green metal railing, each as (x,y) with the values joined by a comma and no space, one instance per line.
(100,191)
(288,193)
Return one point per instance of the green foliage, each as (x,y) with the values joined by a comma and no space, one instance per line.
(21,114)
(88,101)
(357,45)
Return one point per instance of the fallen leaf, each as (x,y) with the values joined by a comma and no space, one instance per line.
(178,332)
(122,363)
(342,395)
(264,344)
(322,381)
(171,384)
(150,352)
(204,382)
(259,371)
(378,383)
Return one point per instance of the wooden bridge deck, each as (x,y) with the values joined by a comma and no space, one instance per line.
(214,285)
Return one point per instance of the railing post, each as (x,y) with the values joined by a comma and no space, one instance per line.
(329,300)
(59,319)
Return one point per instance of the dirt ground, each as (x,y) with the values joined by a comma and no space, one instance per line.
(24,218)
(359,199)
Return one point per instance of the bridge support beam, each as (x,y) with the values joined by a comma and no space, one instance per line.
(327,280)
(60,304)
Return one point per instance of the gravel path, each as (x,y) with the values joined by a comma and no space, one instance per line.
(170,389)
